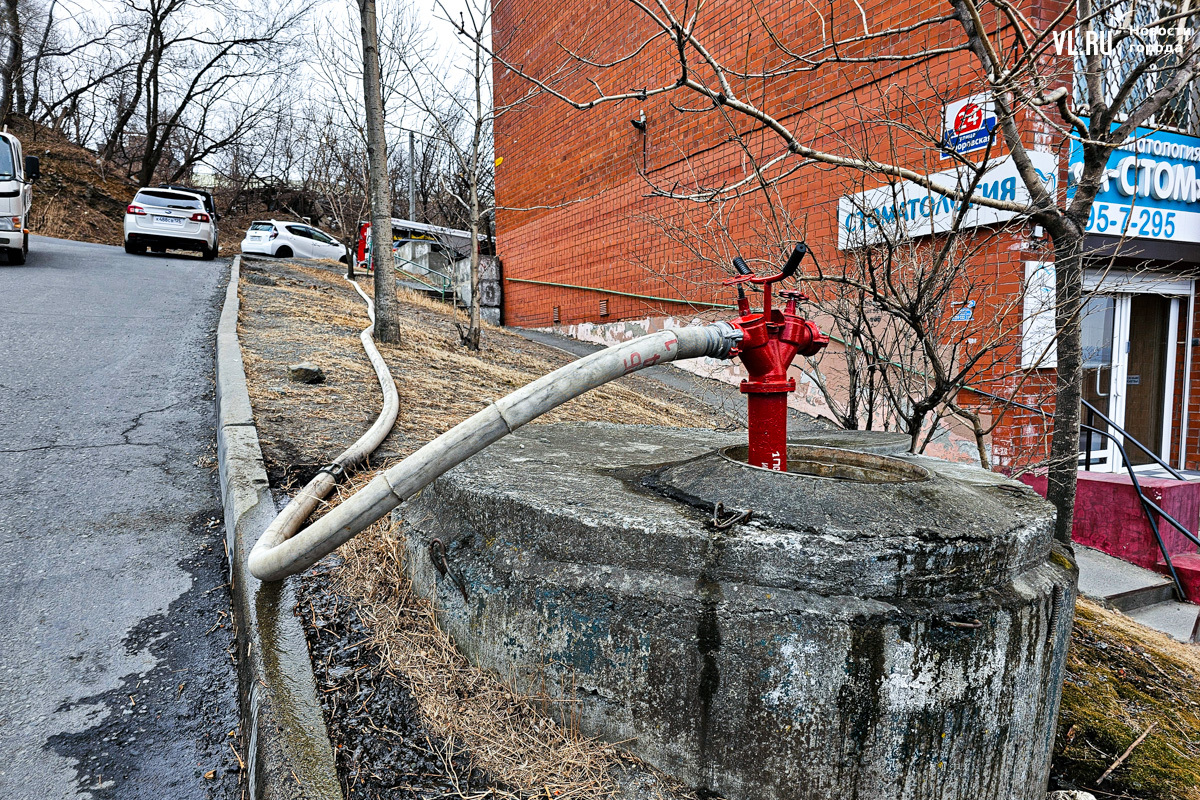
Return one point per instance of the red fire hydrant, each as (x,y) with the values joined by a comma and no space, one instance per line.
(770,341)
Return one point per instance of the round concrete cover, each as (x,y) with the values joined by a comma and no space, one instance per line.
(899,639)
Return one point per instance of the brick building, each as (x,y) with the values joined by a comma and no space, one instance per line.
(599,251)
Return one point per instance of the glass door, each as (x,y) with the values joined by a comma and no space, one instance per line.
(1129,346)
(1099,317)
(1147,375)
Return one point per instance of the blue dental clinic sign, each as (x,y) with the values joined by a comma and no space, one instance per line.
(1150,188)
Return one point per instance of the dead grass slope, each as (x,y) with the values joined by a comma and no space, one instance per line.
(293,311)
(1123,677)
(78,196)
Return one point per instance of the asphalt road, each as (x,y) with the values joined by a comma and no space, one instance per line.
(115,643)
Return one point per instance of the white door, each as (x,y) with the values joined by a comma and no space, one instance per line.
(1096,450)
(325,246)
(1130,342)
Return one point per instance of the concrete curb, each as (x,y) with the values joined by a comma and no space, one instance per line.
(288,754)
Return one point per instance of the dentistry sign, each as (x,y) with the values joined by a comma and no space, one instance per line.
(1150,188)
(905,210)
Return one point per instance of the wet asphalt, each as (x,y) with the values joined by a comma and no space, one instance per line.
(116,673)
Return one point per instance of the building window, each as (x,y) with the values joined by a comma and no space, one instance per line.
(604,307)
(1119,58)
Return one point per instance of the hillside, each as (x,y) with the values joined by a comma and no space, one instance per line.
(83,198)
(78,196)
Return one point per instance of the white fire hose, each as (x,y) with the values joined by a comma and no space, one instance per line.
(281,551)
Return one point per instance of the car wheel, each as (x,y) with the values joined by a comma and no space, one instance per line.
(207,253)
(16,256)
(132,248)
(344,260)
(284,252)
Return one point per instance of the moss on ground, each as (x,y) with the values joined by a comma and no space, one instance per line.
(1122,678)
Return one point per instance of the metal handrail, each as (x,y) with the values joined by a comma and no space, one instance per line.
(443,287)
(1149,507)
(1125,434)
(447,282)
(1093,410)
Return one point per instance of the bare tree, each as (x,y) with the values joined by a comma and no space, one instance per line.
(901,315)
(11,78)
(337,175)
(1015,64)
(387,325)
(462,117)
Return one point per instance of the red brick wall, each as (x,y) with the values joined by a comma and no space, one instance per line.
(1193,433)
(595,170)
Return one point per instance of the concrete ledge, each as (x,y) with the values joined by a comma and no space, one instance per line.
(1109,516)
(288,754)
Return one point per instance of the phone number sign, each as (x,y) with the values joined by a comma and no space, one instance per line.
(1150,188)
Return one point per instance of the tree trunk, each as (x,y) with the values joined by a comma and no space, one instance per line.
(472,338)
(37,61)
(1064,445)
(11,69)
(387,325)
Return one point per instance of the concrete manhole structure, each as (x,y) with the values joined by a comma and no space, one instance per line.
(867,625)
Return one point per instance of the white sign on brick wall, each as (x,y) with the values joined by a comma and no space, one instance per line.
(967,125)
(906,210)
(1038,349)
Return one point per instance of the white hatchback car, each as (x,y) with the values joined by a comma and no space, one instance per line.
(171,217)
(272,237)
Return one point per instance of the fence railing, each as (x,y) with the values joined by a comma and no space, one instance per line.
(1120,438)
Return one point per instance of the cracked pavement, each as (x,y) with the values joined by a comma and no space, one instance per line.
(115,656)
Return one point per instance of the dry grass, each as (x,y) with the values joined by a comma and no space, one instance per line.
(311,313)
(305,316)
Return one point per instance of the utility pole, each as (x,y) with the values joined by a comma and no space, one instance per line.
(387,325)
(412,183)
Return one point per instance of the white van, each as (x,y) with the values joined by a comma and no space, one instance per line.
(17,174)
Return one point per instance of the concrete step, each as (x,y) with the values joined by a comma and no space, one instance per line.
(1144,595)
(1177,620)
(1187,567)
(1123,585)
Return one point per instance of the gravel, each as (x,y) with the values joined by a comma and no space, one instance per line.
(381,745)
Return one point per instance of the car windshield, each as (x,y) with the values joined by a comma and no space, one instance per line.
(170,200)
(262,226)
(7,168)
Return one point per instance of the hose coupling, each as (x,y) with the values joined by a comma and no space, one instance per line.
(729,337)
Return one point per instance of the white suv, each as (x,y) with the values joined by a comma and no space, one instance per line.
(171,217)
(271,237)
